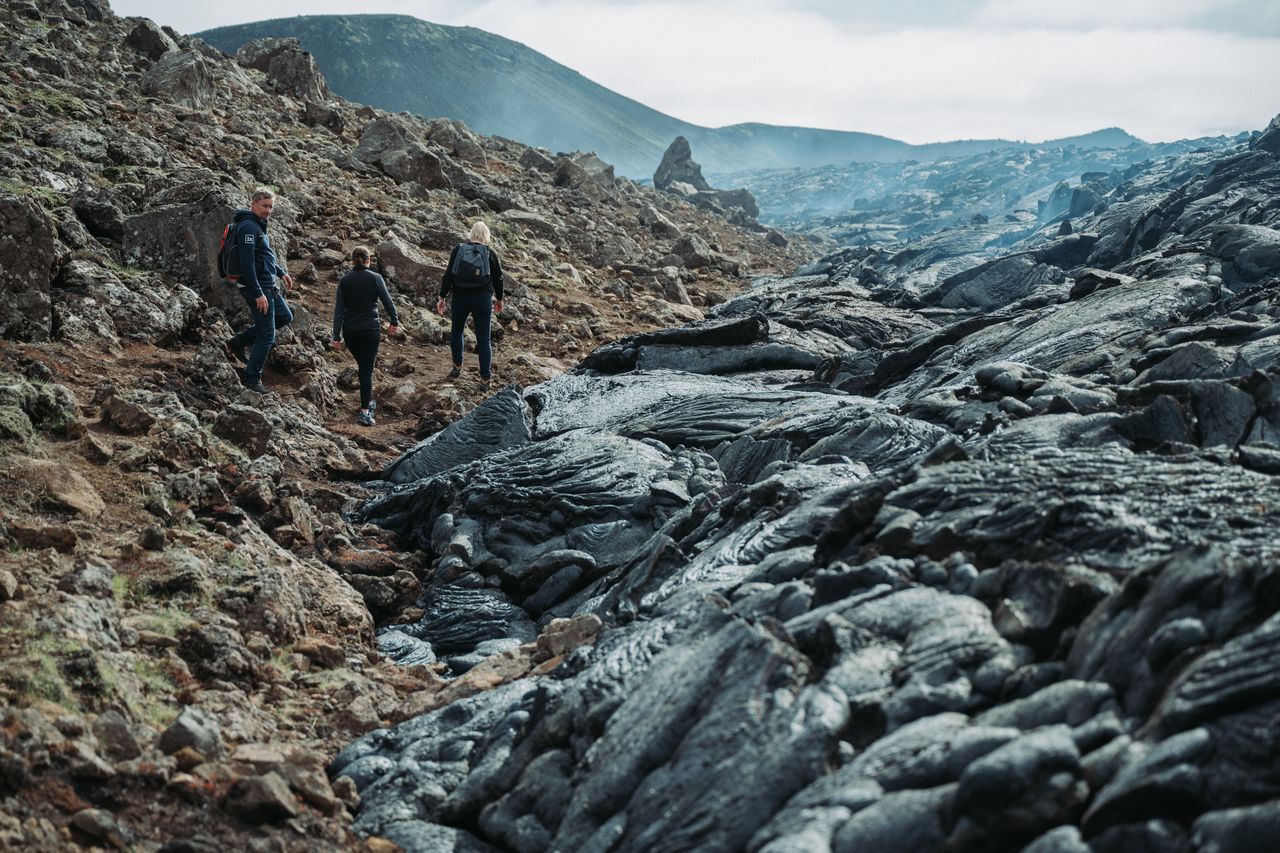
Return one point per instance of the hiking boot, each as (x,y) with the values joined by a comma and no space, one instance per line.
(456,372)
(257,387)
(486,382)
(365,418)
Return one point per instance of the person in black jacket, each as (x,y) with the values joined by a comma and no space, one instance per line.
(257,282)
(475,278)
(356,318)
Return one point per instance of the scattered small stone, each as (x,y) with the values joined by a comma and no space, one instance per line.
(8,585)
(36,536)
(564,635)
(95,823)
(319,652)
(95,449)
(256,758)
(85,763)
(194,728)
(153,538)
(63,487)
(115,739)
(344,788)
(306,774)
(151,638)
(188,759)
(92,576)
(262,799)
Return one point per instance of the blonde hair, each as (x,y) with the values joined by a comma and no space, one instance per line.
(479,233)
(260,193)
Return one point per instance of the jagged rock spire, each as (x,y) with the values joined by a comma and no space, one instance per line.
(678,166)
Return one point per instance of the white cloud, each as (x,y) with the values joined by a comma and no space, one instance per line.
(981,68)
(1096,14)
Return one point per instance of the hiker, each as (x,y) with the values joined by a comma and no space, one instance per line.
(257,282)
(356,318)
(474,276)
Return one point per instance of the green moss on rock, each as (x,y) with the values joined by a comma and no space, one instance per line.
(14,423)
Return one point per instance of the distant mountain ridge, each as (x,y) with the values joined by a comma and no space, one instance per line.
(501,87)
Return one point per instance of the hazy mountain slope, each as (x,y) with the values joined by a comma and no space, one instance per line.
(499,86)
(495,85)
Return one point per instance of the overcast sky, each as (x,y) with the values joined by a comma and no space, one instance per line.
(910,69)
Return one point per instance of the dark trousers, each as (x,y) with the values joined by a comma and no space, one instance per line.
(477,304)
(262,334)
(364,346)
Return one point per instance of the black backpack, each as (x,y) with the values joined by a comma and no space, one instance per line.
(228,257)
(471,265)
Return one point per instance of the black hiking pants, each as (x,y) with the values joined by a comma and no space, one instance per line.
(479,305)
(364,346)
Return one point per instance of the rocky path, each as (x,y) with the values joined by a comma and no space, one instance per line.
(187,612)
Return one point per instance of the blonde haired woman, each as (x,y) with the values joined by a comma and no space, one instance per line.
(474,277)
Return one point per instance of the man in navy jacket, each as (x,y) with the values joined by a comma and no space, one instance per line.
(257,283)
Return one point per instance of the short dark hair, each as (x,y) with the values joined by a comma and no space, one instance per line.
(361,254)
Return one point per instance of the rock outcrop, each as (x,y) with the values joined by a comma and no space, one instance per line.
(28,264)
(679,174)
(290,69)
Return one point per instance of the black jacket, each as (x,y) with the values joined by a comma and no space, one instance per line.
(495,274)
(355,307)
(258,267)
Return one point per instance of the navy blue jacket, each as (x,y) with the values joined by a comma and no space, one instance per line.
(258,267)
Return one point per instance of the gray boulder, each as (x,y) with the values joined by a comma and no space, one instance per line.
(391,146)
(182,76)
(195,728)
(262,799)
(95,303)
(291,70)
(597,169)
(534,223)
(1025,787)
(181,238)
(245,427)
(149,40)
(115,737)
(408,267)
(537,160)
(694,251)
